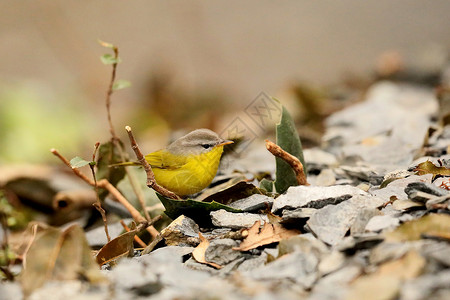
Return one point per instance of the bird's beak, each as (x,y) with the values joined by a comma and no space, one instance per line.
(225,142)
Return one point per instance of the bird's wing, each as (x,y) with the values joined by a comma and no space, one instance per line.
(165,160)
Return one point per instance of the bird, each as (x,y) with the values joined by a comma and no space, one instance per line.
(189,164)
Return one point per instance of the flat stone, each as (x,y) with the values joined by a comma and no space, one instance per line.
(220,251)
(223,218)
(314,196)
(182,231)
(425,187)
(405,204)
(379,223)
(294,216)
(297,266)
(331,223)
(427,286)
(331,262)
(363,217)
(397,187)
(253,203)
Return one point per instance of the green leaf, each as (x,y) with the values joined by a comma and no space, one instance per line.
(120,84)
(288,140)
(266,185)
(109,59)
(196,210)
(108,155)
(78,162)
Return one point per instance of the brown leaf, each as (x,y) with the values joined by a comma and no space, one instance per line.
(116,248)
(428,167)
(432,224)
(268,234)
(58,255)
(199,252)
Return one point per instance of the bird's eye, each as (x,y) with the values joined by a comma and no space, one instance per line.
(206,146)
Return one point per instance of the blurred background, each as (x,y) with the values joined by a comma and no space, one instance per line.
(191,63)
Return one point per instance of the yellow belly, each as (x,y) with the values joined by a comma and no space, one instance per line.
(192,177)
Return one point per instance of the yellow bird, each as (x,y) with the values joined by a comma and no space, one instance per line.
(189,164)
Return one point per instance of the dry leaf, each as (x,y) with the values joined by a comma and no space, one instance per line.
(60,256)
(269,233)
(199,252)
(432,224)
(428,167)
(117,248)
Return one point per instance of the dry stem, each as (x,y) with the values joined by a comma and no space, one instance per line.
(293,161)
(151,182)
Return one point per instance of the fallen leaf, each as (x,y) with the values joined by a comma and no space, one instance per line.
(435,224)
(386,281)
(268,234)
(58,255)
(117,248)
(199,252)
(428,167)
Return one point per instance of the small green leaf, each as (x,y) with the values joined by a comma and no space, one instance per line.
(266,185)
(196,210)
(78,162)
(120,84)
(289,141)
(106,44)
(109,59)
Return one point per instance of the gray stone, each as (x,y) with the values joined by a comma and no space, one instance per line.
(363,217)
(426,286)
(331,223)
(253,262)
(314,196)
(425,187)
(220,251)
(253,203)
(325,178)
(331,262)
(405,204)
(397,187)
(297,266)
(181,232)
(379,223)
(294,216)
(388,251)
(223,218)
(97,237)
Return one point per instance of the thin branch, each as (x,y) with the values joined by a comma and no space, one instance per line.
(293,161)
(136,238)
(98,204)
(116,139)
(109,93)
(151,182)
(103,183)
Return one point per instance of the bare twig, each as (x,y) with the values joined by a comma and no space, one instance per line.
(151,182)
(110,91)
(116,139)
(103,183)
(98,204)
(293,161)
(136,238)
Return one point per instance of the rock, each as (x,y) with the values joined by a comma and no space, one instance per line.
(314,196)
(425,187)
(223,218)
(363,217)
(397,187)
(332,229)
(325,178)
(427,287)
(182,231)
(318,159)
(220,251)
(253,263)
(296,216)
(388,251)
(297,266)
(364,173)
(378,223)
(253,203)
(405,204)
(331,262)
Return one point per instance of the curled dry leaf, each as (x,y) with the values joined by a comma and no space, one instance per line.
(428,167)
(268,234)
(117,248)
(199,252)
